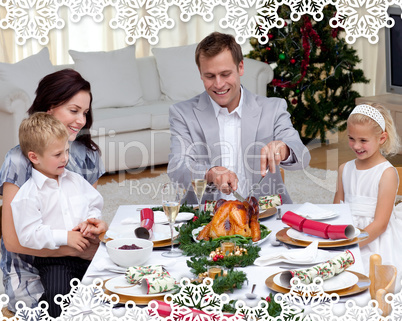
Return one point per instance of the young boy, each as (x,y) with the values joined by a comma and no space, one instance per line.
(55,207)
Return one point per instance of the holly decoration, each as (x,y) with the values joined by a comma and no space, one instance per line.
(320,73)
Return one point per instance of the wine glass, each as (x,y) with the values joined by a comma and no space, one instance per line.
(172,194)
(199,181)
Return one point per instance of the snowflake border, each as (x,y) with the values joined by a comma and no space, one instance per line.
(34,19)
(89,302)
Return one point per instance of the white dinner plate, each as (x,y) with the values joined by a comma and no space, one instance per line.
(300,236)
(137,290)
(342,281)
(160,232)
(196,231)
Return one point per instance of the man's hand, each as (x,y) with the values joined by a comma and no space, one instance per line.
(77,241)
(222,179)
(272,154)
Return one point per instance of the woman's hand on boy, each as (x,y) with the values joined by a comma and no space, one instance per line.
(77,241)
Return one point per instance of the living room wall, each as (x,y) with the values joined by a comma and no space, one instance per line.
(87,35)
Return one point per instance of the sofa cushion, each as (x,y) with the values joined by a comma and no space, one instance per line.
(152,115)
(27,73)
(119,120)
(178,72)
(113,76)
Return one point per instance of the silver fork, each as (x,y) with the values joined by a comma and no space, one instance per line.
(279,214)
(258,184)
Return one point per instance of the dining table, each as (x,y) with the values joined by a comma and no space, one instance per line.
(127,215)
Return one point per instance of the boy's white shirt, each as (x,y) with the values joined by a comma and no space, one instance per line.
(44,210)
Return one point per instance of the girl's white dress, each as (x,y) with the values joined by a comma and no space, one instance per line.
(361,192)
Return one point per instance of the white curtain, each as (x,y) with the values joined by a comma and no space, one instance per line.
(88,35)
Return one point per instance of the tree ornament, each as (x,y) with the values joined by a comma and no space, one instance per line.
(270,36)
(253,41)
(306,82)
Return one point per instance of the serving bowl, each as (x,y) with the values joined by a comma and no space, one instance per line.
(127,258)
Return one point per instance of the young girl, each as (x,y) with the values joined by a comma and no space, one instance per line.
(369,183)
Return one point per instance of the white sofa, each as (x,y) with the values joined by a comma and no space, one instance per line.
(131,123)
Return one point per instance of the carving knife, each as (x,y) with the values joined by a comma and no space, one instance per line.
(237,195)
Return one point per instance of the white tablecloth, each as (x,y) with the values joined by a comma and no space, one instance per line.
(177,267)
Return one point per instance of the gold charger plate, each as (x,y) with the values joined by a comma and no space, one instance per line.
(162,243)
(268,212)
(355,289)
(285,238)
(140,300)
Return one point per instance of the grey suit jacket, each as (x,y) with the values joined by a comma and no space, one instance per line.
(195,136)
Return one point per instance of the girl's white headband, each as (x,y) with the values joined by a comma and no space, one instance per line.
(371,112)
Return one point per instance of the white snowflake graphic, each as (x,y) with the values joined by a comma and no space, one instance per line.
(251,18)
(200,296)
(93,8)
(190,8)
(374,17)
(24,313)
(136,313)
(201,303)
(301,7)
(142,18)
(32,18)
(86,302)
(399,3)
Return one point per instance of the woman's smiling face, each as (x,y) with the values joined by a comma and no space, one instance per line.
(73,113)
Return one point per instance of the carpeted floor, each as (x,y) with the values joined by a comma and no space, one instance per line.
(309,185)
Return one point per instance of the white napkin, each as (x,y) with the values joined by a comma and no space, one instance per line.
(106,264)
(159,218)
(313,212)
(305,255)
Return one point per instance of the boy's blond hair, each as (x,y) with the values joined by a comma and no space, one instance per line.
(38,131)
(393,144)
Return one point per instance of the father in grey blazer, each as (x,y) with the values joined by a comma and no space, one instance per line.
(237,133)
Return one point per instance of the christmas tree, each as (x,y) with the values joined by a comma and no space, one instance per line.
(315,70)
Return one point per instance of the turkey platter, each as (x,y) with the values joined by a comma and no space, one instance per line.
(233,218)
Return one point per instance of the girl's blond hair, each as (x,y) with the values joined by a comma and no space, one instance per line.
(392,145)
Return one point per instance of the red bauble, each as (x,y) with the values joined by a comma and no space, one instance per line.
(270,36)
(293,61)
(294,101)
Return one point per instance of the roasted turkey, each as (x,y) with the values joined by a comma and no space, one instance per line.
(233,218)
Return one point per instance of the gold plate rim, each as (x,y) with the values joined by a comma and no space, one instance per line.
(285,238)
(268,212)
(157,244)
(355,289)
(141,300)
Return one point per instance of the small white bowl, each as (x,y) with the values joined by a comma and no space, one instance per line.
(127,258)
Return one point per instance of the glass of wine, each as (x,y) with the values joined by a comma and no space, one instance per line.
(172,194)
(198,181)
